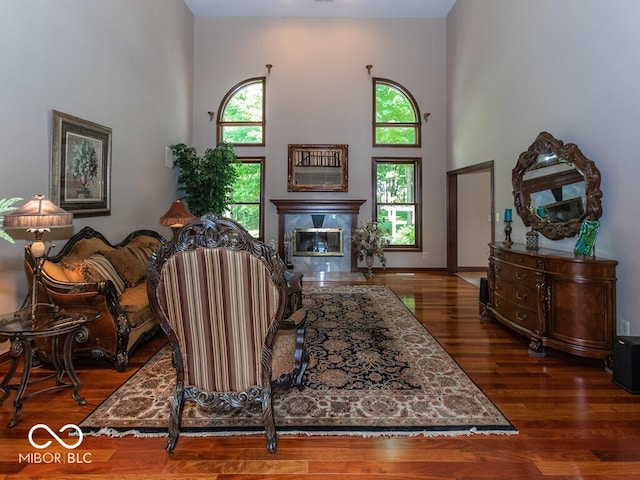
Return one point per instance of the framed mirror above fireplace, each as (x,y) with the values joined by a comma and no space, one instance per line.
(318,168)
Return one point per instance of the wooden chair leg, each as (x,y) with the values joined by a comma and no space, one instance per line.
(175,416)
(268,419)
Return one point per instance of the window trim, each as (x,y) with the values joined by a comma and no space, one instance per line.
(220,124)
(260,160)
(417,195)
(417,125)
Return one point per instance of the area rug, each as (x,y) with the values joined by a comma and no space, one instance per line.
(374,370)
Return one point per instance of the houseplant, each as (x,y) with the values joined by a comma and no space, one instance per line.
(369,241)
(207,181)
(7,205)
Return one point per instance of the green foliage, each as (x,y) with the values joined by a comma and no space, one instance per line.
(395,196)
(7,205)
(247,185)
(206,181)
(396,135)
(394,182)
(245,207)
(246,106)
(392,106)
(242,134)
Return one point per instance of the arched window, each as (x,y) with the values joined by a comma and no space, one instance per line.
(396,116)
(241,114)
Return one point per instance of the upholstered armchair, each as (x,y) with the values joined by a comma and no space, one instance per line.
(220,296)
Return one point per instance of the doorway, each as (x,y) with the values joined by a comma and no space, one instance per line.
(470,207)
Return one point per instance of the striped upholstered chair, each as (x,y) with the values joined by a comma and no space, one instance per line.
(220,297)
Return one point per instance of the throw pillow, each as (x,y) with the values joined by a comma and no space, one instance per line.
(143,254)
(97,268)
(130,268)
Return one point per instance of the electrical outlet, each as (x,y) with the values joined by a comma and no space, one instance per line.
(425,255)
(497,216)
(624,328)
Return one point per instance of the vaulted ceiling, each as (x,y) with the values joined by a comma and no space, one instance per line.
(321,8)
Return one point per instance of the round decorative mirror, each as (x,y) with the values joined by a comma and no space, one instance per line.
(556,188)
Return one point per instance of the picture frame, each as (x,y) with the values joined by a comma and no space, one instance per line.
(318,168)
(80,165)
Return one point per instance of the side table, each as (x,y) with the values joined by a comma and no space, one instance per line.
(21,328)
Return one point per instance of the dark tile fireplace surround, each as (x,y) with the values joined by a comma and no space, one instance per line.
(338,214)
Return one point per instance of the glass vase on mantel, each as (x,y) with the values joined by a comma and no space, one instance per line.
(369,260)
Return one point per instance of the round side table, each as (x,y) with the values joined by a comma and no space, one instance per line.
(21,327)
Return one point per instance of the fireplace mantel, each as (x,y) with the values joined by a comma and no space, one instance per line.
(327,207)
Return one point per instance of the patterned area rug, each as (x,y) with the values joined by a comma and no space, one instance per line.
(374,370)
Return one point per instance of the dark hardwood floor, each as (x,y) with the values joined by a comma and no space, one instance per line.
(573,422)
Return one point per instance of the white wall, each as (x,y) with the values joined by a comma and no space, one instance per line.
(120,63)
(319,92)
(515,68)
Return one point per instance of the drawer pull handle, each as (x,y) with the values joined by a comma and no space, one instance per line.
(498,285)
(521,316)
(498,268)
(521,276)
(521,296)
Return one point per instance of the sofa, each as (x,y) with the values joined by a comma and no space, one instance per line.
(90,271)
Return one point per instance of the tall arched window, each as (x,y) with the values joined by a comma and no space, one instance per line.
(241,114)
(396,116)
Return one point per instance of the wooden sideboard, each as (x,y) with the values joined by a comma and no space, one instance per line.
(555,298)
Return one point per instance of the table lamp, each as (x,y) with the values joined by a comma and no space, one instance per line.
(177,215)
(37,216)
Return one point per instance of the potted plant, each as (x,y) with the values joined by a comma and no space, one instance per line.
(207,181)
(369,241)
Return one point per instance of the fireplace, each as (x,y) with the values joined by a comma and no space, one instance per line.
(317,242)
(302,215)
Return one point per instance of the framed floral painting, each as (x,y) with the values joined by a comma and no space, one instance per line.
(80,165)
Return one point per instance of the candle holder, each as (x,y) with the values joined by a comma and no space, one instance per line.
(507,234)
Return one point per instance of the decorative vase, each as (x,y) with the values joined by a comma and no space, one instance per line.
(369,260)
(532,240)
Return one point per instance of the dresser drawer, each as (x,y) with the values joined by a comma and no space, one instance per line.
(517,294)
(516,275)
(522,316)
(516,258)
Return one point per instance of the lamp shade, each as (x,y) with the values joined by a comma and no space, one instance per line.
(177,215)
(38,213)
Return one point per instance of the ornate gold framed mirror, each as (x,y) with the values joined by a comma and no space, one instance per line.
(556,188)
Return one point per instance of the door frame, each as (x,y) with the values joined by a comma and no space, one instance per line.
(452,210)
